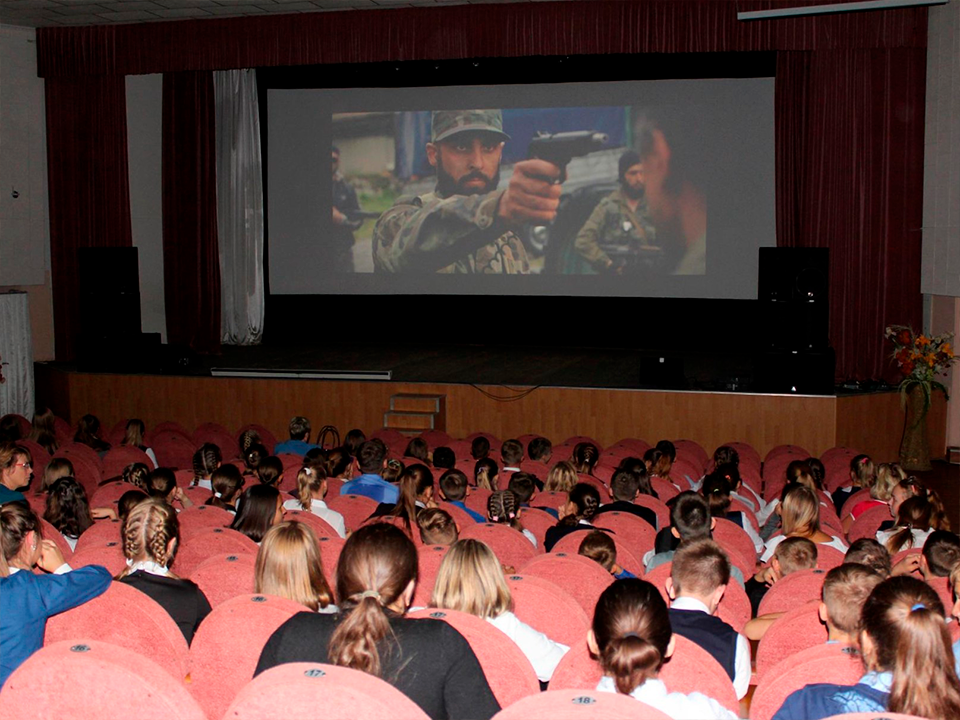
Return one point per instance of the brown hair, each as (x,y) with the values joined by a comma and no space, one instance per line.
(699,567)
(632,629)
(16,520)
(845,590)
(862,471)
(134,433)
(413,483)
(310,482)
(599,547)
(800,511)
(584,457)
(942,552)
(129,500)
(377,564)
(905,620)
(417,449)
(9,452)
(288,565)
(57,468)
(44,430)
(227,481)
(796,553)
(586,500)
(392,470)
(147,531)
(869,552)
(916,513)
(206,459)
(511,453)
(67,507)
(136,474)
(437,527)
(270,470)
(504,508)
(561,478)
(88,430)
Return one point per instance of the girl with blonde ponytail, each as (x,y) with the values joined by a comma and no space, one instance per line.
(311,489)
(425,658)
(150,534)
(632,638)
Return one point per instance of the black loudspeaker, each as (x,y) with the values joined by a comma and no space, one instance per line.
(109,283)
(796,373)
(793,295)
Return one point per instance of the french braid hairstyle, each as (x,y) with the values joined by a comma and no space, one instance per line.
(206,459)
(503,507)
(147,531)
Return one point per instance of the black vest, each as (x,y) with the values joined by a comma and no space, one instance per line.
(709,632)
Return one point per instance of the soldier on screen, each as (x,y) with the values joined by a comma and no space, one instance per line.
(466,224)
(345,220)
(619,234)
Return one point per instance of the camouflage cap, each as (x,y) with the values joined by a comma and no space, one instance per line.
(450,122)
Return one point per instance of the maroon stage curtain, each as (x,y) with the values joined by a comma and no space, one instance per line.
(191,261)
(849,128)
(88,186)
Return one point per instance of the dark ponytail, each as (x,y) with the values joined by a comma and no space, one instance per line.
(206,459)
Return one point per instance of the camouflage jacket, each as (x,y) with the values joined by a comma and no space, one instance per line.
(457,234)
(613,228)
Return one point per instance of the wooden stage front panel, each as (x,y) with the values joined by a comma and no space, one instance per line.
(872,422)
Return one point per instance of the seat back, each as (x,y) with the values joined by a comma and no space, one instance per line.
(693,669)
(127,617)
(225,576)
(583,579)
(117,458)
(102,531)
(692,451)
(308,690)
(73,449)
(833,663)
(436,438)
(740,548)
(217,435)
(748,455)
(794,590)
(796,630)
(658,506)
(430,557)
(665,491)
(200,518)
(459,515)
(829,557)
(868,523)
(577,669)
(108,553)
(635,532)
(173,449)
(545,606)
(509,673)
(207,543)
(226,647)
(579,705)
(316,523)
(354,508)
(90,678)
(49,532)
(107,495)
(625,556)
(477,498)
(855,499)
(86,472)
(778,450)
(538,522)
(511,547)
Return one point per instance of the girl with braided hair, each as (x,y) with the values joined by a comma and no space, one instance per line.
(424,658)
(632,638)
(576,514)
(206,460)
(503,507)
(150,534)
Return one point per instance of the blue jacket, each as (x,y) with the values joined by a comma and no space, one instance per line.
(27,600)
(372,486)
(293,447)
(822,700)
(472,513)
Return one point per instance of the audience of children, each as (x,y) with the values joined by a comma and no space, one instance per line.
(717,488)
(800,517)
(917,517)
(863,474)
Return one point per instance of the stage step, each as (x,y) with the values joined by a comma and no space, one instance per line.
(412,413)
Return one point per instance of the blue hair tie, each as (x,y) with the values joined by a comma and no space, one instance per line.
(918,606)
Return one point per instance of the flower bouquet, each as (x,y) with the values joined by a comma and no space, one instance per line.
(921,359)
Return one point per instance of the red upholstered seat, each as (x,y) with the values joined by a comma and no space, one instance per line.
(311,690)
(90,678)
(635,447)
(330,548)
(779,450)
(868,523)
(173,449)
(538,522)
(693,669)
(430,557)
(834,663)
(509,673)
(207,543)
(626,558)
(748,455)
(108,495)
(225,576)
(798,629)
(829,557)
(436,438)
(218,435)
(855,499)
(316,523)
(511,547)
(664,489)
(635,532)
(577,669)
(127,617)
(794,590)
(658,505)
(227,647)
(546,607)
(583,579)
(477,499)
(942,586)
(49,532)
(200,518)
(839,454)
(72,449)
(86,471)
(167,426)
(598,484)
(108,553)
(579,705)
(354,508)
(102,531)
(693,452)
(459,515)
(119,457)
(740,548)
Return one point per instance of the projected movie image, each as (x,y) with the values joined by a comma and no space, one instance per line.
(613,190)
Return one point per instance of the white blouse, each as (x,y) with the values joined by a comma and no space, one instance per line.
(695,706)
(542,652)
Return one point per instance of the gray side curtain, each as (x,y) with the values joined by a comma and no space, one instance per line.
(16,354)
(239,206)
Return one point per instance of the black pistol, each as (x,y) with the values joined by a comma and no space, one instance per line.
(560,148)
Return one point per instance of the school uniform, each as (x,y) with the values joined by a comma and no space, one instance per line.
(542,652)
(695,706)
(822,700)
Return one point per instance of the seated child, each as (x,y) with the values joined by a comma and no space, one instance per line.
(941,554)
(503,507)
(311,490)
(698,579)
(453,489)
(575,515)
(791,555)
(625,488)
(863,474)
(444,458)
(525,486)
(437,527)
(600,547)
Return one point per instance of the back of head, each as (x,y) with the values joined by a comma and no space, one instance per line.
(310,481)
(667,448)
(904,621)
(471,580)
(862,471)
(256,511)
(393,470)
(67,507)
(353,440)
(485,474)
(800,511)
(136,474)
(206,459)
(797,469)
(817,471)
(437,527)
(690,515)
(270,470)
(246,439)
(377,567)
(523,486)
(338,462)
(511,453)
(503,507)
(716,489)
(631,628)
(61,467)
(889,475)
(624,486)
(128,501)
(699,568)
(561,478)
(453,485)
(16,520)
(10,428)
(288,565)
(725,455)
(417,448)
(916,513)
(845,590)
(599,547)
(226,482)
(584,457)
(444,458)
(88,428)
(147,533)
(795,554)
(586,499)
(133,436)
(479,448)
(869,552)
(299,428)
(160,483)
(370,456)
(942,552)
(43,432)
(638,467)
(539,449)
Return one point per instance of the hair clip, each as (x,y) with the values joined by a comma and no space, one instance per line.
(918,606)
(217,495)
(370,594)
(495,518)
(511,516)
(308,471)
(631,635)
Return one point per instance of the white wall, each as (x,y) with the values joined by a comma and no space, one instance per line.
(25,220)
(144,140)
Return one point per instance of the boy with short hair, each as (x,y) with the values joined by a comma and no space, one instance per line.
(845,590)
(453,489)
(697,582)
(437,527)
(600,547)
(792,554)
(940,555)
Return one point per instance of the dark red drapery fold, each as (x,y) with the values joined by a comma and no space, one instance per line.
(191,262)
(88,186)
(850,177)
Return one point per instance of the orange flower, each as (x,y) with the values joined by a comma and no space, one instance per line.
(922,341)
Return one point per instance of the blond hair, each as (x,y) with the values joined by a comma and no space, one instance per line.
(147,531)
(800,512)
(310,482)
(471,580)
(561,478)
(288,565)
(889,476)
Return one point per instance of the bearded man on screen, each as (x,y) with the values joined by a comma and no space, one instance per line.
(467,225)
